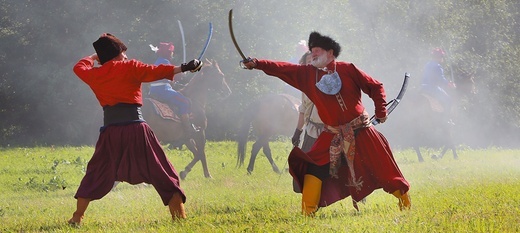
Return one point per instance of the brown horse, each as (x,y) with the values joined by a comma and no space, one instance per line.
(423,118)
(428,127)
(210,79)
(269,116)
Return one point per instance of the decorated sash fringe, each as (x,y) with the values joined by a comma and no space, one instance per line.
(344,141)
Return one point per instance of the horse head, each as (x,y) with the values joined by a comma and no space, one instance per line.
(214,70)
(210,78)
(463,76)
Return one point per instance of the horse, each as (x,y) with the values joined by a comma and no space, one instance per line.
(425,121)
(428,126)
(269,116)
(170,130)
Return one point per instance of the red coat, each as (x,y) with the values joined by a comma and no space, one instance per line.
(120,81)
(373,163)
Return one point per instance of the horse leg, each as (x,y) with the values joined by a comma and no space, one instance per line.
(204,163)
(454,153)
(254,152)
(453,149)
(193,148)
(418,152)
(267,152)
(444,150)
(201,148)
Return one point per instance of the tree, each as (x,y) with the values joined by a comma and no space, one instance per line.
(44,103)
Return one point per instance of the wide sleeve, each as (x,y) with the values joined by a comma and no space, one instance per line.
(372,87)
(82,67)
(286,71)
(149,73)
(303,107)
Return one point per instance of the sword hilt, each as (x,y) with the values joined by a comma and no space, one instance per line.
(241,63)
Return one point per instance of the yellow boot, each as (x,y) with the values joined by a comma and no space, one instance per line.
(176,207)
(404,200)
(311,194)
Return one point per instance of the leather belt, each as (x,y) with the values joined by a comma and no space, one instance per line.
(122,113)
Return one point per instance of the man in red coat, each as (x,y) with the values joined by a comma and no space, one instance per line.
(127,149)
(350,157)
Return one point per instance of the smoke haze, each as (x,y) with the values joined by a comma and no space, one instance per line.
(384,39)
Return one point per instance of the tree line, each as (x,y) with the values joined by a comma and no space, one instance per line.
(44,103)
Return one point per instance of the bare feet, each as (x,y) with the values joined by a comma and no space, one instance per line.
(75,220)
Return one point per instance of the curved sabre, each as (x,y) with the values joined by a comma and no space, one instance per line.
(207,41)
(183,42)
(230,20)
(393,103)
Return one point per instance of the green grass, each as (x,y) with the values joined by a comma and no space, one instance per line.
(479,192)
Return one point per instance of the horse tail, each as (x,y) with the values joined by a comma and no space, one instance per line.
(243,133)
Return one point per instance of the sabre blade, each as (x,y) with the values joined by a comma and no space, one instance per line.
(230,20)
(207,41)
(183,42)
(393,103)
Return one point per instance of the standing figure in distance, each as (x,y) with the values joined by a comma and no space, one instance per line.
(349,158)
(127,149)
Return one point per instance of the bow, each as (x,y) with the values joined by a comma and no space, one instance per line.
(393,103)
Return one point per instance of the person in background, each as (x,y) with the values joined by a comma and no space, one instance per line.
(127,149)
(350,157)
(435,84)
(308,118)
(299,50)
(163,91)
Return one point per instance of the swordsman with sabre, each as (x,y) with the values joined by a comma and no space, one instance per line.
(350,157)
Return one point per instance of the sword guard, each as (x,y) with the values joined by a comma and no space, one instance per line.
(249,59)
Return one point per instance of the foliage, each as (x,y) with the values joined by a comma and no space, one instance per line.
(465,195)
(44,103)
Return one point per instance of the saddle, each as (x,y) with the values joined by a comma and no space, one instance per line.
(164,111)
(435,105)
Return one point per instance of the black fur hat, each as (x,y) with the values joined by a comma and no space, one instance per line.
(324,42)
(107,47)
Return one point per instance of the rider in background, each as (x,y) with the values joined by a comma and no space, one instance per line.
(435,84)
(163,91)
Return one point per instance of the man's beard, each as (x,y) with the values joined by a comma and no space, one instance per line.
(320,61)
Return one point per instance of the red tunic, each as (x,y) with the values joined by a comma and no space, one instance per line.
(373,163)
(128,152)
(120,81)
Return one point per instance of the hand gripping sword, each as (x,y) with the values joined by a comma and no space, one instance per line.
(230,20)
(390,106)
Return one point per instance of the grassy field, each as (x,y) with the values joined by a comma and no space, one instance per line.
(479,192)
